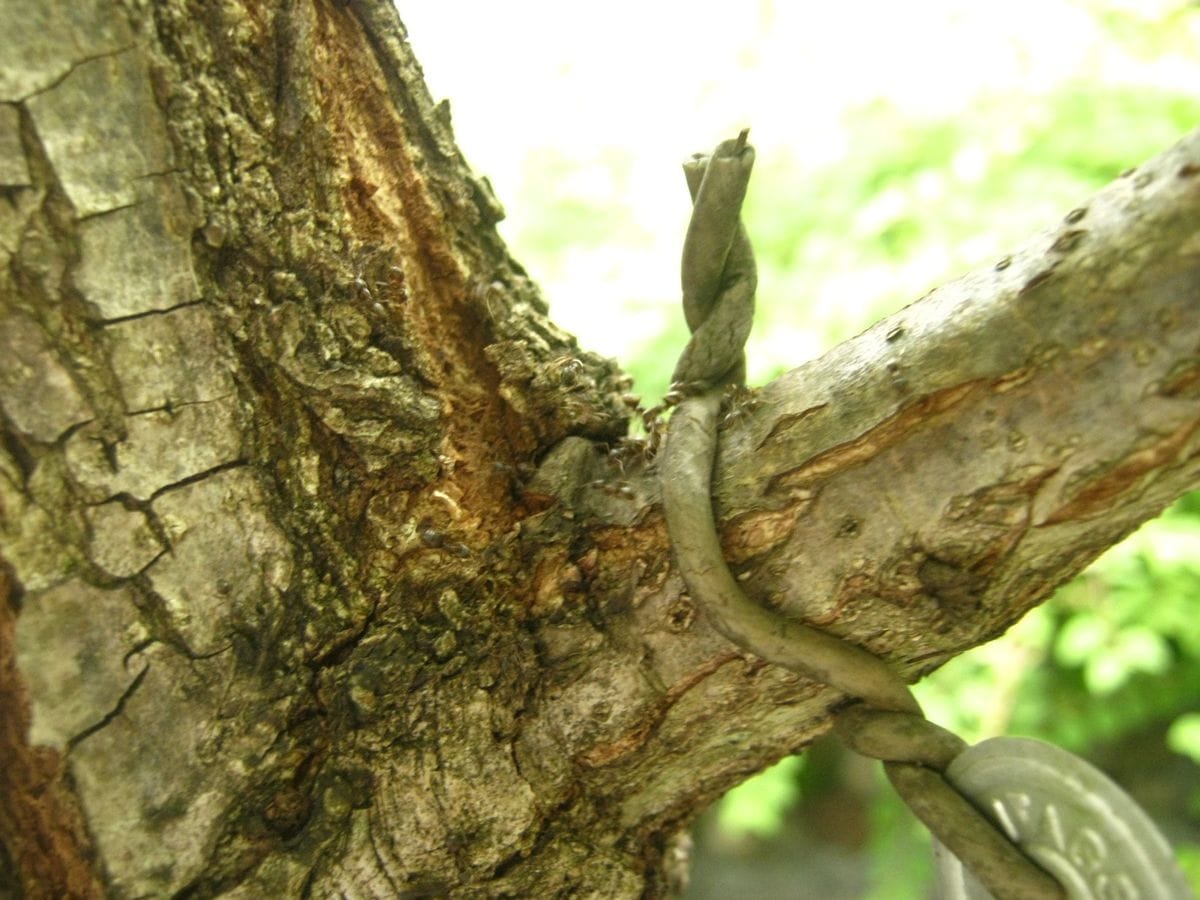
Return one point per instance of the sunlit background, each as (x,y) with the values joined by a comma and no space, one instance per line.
(899,145)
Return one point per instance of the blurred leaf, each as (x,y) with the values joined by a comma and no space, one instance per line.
(1111,663)
(757,807)
(1081,638)
(1189,860)
(1184,736)
(901,858)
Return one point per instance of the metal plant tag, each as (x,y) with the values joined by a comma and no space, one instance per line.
(1065,815)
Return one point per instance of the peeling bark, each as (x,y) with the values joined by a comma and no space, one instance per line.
(321,575)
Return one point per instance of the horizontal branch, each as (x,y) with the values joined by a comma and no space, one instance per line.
(915,490)
(925,483)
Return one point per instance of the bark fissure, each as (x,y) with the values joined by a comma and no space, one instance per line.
(886,434)
(151,313)
(1100,489)
(193,479)
(82,736)
(72,67)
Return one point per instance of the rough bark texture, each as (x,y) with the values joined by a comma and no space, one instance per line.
(319,577)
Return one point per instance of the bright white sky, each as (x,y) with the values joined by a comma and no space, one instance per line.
(669,76)
(660,79)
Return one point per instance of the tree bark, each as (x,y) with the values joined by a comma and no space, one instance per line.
(326,570)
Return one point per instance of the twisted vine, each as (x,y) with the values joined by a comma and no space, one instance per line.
(719,280)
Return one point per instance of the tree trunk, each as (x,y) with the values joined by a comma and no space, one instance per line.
(326,570)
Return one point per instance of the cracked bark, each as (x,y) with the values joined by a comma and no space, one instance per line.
(308,522)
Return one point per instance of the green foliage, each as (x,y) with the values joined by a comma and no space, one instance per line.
(573,199)
(1184,736)
(1189,861)
(901,862)
(757,807)
(1135,610)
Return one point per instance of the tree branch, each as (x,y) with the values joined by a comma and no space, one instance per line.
(915,490)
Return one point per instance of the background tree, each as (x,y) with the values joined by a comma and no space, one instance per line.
(321,573)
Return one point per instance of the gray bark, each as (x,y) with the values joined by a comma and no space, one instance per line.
(320,577)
